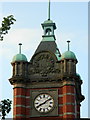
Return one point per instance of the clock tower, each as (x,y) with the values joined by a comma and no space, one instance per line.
(48,86)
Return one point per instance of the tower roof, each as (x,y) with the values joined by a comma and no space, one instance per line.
(48,39)
(19,57)
(68,54)
(48,26)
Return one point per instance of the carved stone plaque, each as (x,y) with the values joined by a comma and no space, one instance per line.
(43,63)
(44,67)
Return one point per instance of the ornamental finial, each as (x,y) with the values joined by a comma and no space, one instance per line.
(49,10)
(68,44)
(20,48)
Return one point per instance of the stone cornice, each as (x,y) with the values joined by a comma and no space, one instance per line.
(45,85)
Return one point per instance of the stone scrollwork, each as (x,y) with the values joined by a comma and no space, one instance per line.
(43,63)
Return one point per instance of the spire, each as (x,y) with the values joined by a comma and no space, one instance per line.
(49,26)
(68,45)
(49,10)
(20,48)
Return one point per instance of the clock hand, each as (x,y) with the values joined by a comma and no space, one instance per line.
(43,103)
(47,100)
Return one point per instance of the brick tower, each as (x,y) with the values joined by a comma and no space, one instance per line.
(48,86)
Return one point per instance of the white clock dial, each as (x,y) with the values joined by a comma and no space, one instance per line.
(43,103)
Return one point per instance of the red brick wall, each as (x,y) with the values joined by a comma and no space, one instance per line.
(19,102)
(66,102)
(78,110)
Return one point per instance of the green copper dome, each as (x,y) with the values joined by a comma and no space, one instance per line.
(48,21)
(19,57)
(68,55)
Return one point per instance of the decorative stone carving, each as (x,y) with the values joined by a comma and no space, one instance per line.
(43,64)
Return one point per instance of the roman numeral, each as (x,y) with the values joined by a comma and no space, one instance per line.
(40,109)
(36,103)
(43,110)
(37,100)
(40,97)
(50,106)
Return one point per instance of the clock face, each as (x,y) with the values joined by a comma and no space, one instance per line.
(43,103)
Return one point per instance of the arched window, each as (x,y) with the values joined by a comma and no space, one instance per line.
(48,31)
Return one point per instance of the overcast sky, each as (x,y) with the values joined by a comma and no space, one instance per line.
(71,19)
